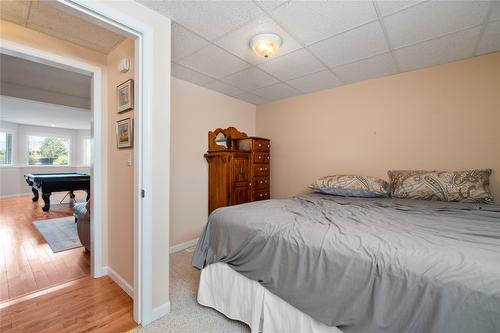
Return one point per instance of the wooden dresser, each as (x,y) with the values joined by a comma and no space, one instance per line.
(238,168)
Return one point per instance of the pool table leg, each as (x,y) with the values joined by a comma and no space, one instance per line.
(35,194)
(46,200)
(71,195)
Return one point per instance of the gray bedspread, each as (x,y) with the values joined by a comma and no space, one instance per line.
(367,265)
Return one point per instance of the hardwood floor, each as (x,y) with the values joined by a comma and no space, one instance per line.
(42,291)
(27,263)
(87,305)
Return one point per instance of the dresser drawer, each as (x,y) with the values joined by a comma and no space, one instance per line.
(261,194)
(261,145)
(259,157)
(260,182)
(261,170)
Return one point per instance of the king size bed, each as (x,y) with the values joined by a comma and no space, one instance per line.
(323,263)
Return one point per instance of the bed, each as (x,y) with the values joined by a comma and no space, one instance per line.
(323,263)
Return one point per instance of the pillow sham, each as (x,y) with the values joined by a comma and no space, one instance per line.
(462,186)
(352,186)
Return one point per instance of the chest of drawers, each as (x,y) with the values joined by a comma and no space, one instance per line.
(238,169)
(260,181)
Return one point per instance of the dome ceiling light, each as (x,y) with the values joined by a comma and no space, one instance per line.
(265,45)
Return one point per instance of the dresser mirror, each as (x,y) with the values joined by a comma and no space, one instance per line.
(222,140)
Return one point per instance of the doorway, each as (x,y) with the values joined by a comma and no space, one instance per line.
(48,134)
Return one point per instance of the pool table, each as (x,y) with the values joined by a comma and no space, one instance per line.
(46,183)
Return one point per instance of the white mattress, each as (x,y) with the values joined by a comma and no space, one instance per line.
(240,298)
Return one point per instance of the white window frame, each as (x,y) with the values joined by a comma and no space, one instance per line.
(83,138)
(13,143)
(43,135)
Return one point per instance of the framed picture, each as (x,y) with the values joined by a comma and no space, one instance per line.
(124,133)
(125,96)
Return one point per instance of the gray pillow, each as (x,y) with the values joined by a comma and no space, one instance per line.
(462,186)
(352,186)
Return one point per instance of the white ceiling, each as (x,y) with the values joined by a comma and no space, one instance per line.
(22,111)
(27,79)
(49,19)
(325,43)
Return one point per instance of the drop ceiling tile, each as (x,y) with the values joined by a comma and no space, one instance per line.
(438,51)
(251,98)
(276,91)
(367,69)
(214,62)
(269,5)
(55,22)
(223,88)
(359,43)
(292,65)
(15,11)
(387,7)
(187,74)
(238,42)
(315,82)
(250,79)
(490,40)
(210,19)
(495,11)
(184,42)
(433,19)
(312,21)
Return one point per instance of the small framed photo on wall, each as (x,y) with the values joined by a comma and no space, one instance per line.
(125,96)
(124,133)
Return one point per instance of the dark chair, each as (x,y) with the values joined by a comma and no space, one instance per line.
(81,212)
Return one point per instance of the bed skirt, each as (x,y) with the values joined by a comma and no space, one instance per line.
(240,298)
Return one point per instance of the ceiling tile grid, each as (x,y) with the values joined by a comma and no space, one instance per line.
(325,43)
(367,69)
(45,17)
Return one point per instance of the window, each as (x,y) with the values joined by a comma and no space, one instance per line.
(5,148)
(43,150)
(86,152)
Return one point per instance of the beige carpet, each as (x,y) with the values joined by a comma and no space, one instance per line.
(187,315)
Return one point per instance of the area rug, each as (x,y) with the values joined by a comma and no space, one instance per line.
(60,233)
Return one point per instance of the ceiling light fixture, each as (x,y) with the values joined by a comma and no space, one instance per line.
(265,45)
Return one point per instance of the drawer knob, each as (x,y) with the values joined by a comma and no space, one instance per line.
(260,157)
(266,181)
(268,157)
(260,145)
(260,195)
(268,146)
(260,169)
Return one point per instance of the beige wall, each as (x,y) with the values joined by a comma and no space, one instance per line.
(120,174)
(443,117)
(195,111)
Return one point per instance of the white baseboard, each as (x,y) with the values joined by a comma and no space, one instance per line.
(183,246)
(120,281)
(160,311)
(8,196)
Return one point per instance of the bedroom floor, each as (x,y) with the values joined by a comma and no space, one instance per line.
(187,315)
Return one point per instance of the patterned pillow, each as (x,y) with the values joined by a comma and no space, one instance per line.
(463,186)
(352,186)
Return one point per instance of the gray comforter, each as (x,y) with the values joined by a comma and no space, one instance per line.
(367,265)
